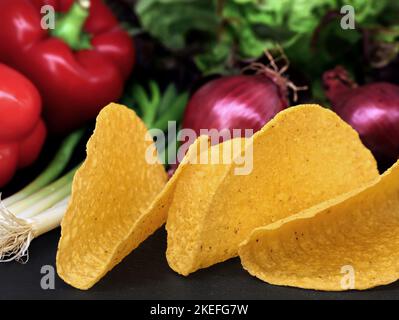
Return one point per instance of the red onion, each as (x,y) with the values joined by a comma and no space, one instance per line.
(236,102)
(371,109)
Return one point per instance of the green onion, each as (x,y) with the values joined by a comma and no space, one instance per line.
(53,170)
(45,198)
(39,207)
(17,234)
(50,219)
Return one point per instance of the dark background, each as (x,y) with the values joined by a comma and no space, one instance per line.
(145,274)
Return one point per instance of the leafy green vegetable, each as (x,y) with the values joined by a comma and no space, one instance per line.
(172,20)
(230,30)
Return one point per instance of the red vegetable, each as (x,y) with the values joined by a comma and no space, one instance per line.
(22,132)
(78,67)
(236,102)
(372,110)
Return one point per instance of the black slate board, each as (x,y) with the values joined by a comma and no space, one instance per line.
(144,274)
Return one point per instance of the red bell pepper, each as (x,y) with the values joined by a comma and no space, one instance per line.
(22,132)
(78,67)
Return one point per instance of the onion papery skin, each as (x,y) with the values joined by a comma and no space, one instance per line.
(372,110)
(235,102)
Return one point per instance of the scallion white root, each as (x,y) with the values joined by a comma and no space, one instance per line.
(15,237)
(39,213)
(17,233)
(39,207)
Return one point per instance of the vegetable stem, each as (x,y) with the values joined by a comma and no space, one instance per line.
(140,97)
(50,219)
(42,194)
(53,170)
(151,113)
(70,26)
(169,96)
(148,104)
(173,113)
(46,202)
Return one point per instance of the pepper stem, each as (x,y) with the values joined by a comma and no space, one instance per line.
(69,26)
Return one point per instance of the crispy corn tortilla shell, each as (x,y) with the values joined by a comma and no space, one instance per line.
(194,193)
(305,156)
(356,234)
(118,199)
